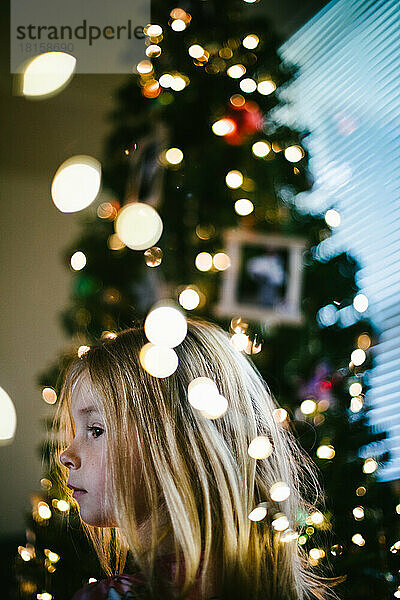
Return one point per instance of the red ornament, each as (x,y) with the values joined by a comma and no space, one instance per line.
(248,120)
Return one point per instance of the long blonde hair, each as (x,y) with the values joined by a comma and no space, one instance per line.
(196,471)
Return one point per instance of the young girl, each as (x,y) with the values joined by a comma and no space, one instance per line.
(174,486)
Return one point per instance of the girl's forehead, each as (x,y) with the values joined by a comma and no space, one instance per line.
(83,397)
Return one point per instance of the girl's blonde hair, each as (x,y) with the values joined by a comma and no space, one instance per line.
(195,471)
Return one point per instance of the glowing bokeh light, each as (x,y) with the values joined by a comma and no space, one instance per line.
(158,361)
(165,326)
(78,261)
(259,512)
(308,407)
(236,71)
(355,389)
(332,218)
(244,207)
(144,67)
(280,491)
(370,465)
(289,536)
(294,153)
(8,418)
(178,83)
(234,179)
(204,261)
(178,25)
(153,51)
(49,395)
(196,51)
(261,149)
(166,80)
(174,156)
(251,41)
(360,303)
(280,522)
(153,30)
(224,127)
(248,85)
(358,513)
(82,350)
(76,183)
(280,415)
(266,87)
(358,539)
(221,261)
(260,447)
(153,256)
(62,505)
(202,392)
(44,510)
(358,356)
(48,73)
(189,299)
(326,452)
(215,409)
(317,517)
(239,341)
(138,226)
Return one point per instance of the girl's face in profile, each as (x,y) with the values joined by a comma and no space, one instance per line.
(85,457)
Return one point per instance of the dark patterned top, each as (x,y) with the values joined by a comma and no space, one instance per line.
(132,587)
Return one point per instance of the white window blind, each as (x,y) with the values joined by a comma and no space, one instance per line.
(347,95)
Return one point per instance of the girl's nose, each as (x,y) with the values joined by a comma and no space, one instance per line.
(69,459)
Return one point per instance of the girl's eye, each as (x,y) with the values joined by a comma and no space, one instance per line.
(98,431)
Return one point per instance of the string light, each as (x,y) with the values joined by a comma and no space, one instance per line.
(221,261)
(178,83)
(358,513)
(294,153)
(308,407)
(216,409)
(165,326)
(153,51)
(234,179)
(202,391)
(355,389)
(358,539)
(62,505)
(236,71)
(280,415)
(78,261)
(224,127)
(153,30)
(144,67)
(178,25)
(138,225)
(166,80)
(43,510)
(48,73)
(370,465)
(326,452)
(204,261)
(239,341)
(76,183)
(49,395)
(196,51)
(280,522)
(251,41)
(259,513)
(248,85)
(261,149)
(158,361)
(358,357)
(280,491)
(174,156)
(266,87)
(289,536)
(356,404)
(317,517)
(189,299)
(317,553)
(244,207)
(260,447)
(360,303)
(332,218)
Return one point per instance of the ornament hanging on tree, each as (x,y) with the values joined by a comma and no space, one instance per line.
(247,119)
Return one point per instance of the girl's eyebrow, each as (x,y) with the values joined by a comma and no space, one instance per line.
(87,409)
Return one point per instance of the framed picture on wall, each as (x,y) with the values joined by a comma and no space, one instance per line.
(264,280)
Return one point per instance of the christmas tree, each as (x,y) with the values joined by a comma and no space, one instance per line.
(195,141)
